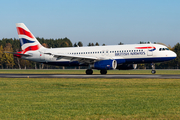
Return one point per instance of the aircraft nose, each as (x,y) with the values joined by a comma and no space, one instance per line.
(174,54)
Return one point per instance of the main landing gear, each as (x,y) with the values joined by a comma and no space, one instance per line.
(153,71)
(103,72)
(90,72)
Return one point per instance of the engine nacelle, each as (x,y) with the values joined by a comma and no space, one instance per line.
(105,65)
(127,67)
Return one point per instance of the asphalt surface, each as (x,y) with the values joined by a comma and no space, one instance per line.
(130,76)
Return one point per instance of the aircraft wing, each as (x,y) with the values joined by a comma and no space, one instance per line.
(81,59)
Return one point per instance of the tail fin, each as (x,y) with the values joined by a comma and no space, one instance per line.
(27,39)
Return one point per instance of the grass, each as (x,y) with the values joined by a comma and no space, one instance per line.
(76,71)
(53,98)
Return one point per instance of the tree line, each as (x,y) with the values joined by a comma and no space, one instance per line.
(8,61)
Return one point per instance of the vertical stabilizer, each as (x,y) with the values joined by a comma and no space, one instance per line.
(27,39)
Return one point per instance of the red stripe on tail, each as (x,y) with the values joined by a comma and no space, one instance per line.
(31,48)
(21,31)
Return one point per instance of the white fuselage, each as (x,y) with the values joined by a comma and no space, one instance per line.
(123,54)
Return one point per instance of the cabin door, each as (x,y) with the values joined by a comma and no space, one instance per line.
(149,52)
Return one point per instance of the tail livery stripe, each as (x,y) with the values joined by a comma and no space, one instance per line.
(31,48)
(21,31)
(24,41)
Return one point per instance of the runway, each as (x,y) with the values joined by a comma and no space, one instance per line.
(88,76)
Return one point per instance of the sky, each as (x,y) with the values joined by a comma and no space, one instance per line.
(104,21)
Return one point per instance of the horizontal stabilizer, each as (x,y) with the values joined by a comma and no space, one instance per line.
(15,53)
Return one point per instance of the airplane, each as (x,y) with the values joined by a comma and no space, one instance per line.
(102,58)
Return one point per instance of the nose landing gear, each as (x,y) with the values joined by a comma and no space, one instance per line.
(153,71)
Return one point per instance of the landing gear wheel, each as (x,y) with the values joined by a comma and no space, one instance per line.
(103,72)
(153,71)
(89,72)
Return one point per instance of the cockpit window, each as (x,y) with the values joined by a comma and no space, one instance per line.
(163,49)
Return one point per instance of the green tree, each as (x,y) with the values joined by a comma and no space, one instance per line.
(176,49)
(9,58)
(64,44)
(89,44)
(45,45)
(97,44)
(80,44)
(121,43)
(75,45)
(1,56)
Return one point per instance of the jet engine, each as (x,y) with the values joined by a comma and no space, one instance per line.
(105,65)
